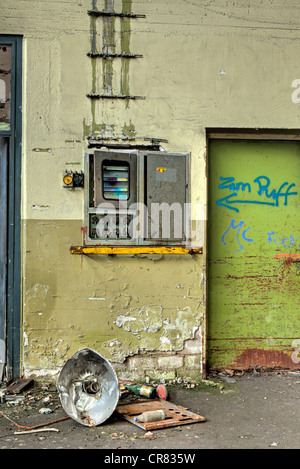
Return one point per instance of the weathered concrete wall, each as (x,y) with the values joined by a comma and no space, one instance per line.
(118,306)
(219,64)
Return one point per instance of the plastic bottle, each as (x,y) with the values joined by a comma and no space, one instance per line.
(151,416)
(141,389)
(45,410)
(162,392)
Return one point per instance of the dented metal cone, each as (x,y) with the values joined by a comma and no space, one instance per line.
(88,388)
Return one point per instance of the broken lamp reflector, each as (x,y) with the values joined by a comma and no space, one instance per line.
(88,388)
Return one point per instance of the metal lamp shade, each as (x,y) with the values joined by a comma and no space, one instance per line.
(88,388)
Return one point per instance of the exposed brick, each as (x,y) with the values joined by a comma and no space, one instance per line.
(192,361)
(118,367)
(157,375)
(140,362)
(170,362)
(131,375)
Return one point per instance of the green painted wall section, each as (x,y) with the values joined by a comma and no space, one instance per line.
(253,296)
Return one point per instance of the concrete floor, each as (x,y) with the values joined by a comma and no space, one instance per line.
(256,411)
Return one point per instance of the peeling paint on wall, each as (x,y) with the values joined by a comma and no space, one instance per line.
(25,339)
(154,330)
(49,352)
(148,319)
(35,297)
(179,330)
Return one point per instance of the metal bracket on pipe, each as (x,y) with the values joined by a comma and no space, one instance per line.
(112,13)
(113,96)
(113,56)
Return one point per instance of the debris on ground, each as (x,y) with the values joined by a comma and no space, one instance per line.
(36,431)
(15,386)
(45,410)
(26,394)
(143,390)
(34,426)
(14,400)
(116,436)
(162,392)
(151,416)
(148,435)
(174,414)
(36,394)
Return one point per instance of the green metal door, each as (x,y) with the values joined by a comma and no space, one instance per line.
(254,254)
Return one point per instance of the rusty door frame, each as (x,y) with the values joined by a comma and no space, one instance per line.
(230,134)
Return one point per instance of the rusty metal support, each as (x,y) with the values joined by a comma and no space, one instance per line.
(113,96)
(112,13)
(113,56)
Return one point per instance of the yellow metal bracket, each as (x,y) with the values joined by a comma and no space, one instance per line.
(134,250)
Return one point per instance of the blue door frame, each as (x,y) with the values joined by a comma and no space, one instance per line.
(13,136)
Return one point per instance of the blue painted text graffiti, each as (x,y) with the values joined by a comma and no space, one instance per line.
(287,242)
(240,232)
(263,193)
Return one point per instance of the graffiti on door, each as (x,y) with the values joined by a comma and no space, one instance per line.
(240,233)
(261,193)
(286,242)
(261,190)
(253,254)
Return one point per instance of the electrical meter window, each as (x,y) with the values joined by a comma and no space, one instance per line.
(115,179)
